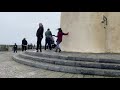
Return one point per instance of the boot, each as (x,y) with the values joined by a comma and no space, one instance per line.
(59,50)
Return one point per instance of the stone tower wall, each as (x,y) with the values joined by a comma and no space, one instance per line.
(90,32)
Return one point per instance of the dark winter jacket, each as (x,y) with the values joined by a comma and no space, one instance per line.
(48,34)
(24,42)
(39,32)
(15,47)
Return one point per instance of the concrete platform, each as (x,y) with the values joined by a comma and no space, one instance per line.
(74,63)
(12,69)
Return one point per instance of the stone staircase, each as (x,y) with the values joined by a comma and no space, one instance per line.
(71,64)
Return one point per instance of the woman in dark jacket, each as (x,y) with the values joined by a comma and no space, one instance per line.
(59,38)
(39,35)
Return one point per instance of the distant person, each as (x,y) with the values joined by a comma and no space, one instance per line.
(24,44)
(59,38)
(48,37)
(15,48)
(31,46)
(39,35)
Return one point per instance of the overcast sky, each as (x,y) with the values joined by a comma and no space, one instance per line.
(14,26)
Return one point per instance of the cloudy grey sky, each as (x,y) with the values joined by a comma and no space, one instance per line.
(14,26)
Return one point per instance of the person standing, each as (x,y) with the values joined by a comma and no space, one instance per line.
(24,44)
(59,38)
(39,35)
(34,46)
(48,36)
(15,48)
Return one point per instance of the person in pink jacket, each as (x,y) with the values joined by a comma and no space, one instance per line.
(59,38)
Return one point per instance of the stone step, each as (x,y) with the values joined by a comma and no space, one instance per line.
(72,63)
(68,69)
(74,58)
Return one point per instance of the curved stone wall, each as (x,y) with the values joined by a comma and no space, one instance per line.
(90,32)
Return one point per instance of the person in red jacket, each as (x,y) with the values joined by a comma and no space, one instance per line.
(59,38)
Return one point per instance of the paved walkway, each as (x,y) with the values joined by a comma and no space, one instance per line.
(11,69)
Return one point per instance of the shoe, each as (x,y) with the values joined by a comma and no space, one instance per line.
(37,51)
(59,50)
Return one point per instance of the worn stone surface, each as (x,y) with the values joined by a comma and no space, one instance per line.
(88,76)
(86,32)
(91,32)
(87,68)
(113,58)
(11,69)
(99,77)
(67,75)
(55,75)
(78,76)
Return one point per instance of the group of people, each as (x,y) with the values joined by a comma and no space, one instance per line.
(49,38)
(24,46)
(49,41)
